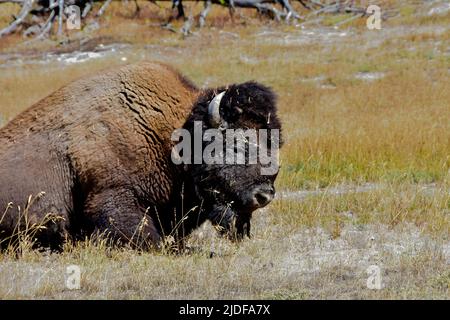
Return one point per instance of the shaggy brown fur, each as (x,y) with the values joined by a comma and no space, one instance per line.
(100,150)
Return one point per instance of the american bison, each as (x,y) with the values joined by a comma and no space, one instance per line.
(96,156)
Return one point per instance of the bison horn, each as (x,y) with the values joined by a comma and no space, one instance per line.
(215,119)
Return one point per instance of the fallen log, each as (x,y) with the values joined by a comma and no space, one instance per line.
(47,11)
(27,6)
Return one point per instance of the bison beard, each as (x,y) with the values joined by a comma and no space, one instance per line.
(98,152)
(229,223)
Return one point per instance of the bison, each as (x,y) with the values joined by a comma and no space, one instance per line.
(96,157)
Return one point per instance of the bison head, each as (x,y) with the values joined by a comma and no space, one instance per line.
(235,135)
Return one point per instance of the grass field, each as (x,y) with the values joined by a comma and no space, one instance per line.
(365,169)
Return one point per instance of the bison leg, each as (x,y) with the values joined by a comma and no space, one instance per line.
(35,201)
(37,222)
(118,215)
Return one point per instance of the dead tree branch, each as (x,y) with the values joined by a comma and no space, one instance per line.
(27,5)
(39,16)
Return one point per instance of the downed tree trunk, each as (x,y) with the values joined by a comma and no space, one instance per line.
(263,6)
(27,5)
(44,13)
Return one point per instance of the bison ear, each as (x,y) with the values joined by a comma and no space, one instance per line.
(215,119)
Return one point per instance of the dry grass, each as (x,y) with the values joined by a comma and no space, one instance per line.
(342,130)
(424,206)
(295,254)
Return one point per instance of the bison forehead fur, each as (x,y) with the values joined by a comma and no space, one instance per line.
(95,157)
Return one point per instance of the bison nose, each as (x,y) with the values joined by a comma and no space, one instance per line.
(262,196)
